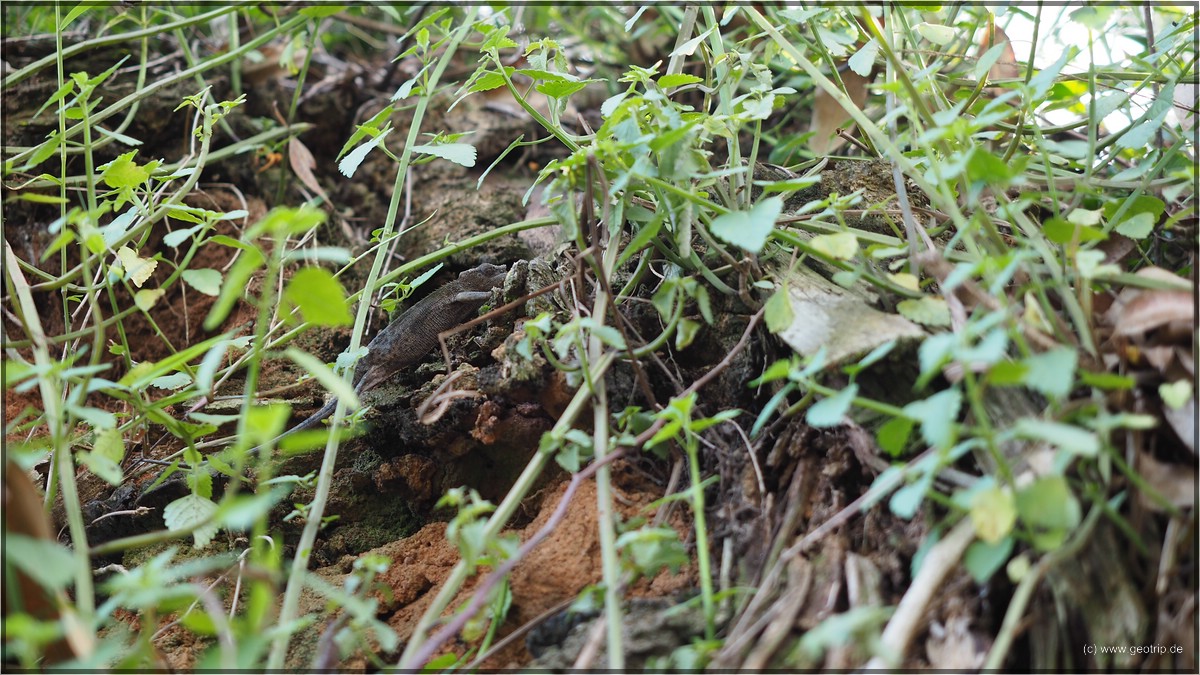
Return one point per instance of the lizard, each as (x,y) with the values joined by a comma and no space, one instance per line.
(405,341)
(408,339)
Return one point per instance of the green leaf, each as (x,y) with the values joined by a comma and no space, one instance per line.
(338,386)
(46,150)
(1050,510)
(1138,226)
(349,164)
(188,511)
(320,297)
(778,312)
(1175,394)
(678,80)
(103,467)
(905,501)
(320,11)
(936,33)
(864,59)
(937,415)
(925,310)
(685,333)
(76,12)
(1080,216)
(749,230)
(830,412)
(111,444)
(560,88)
(1061,231)
(1071,438)
(137,269)
(1052,373)
(893,435)
(994,513)
(839,246)
(490,80)
(177,237)
(641,239)
(172,381)
(47,562)
(123,172)
(206,280)
(651,549)
(459,153)
(985,167)
(147,298)
(1040,83)
(982,559)
(1110,381)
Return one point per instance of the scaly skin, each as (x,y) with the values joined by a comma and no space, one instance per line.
(408,339)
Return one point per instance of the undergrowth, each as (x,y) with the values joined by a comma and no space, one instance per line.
(1001,240)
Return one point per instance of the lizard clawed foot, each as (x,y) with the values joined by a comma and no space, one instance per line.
(432,409)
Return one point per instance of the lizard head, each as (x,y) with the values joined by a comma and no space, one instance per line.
(484,277)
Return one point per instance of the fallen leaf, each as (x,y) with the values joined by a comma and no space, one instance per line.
(1152,309)
(1175,482)
(828,115)
(303,163)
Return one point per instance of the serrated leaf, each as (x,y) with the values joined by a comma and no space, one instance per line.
(1060,231)
(1052,373)
(1084,217)
(349,164)
(188,511)
(205,280)
(102,467)
(47,562)
(678,80)
(177,237)
(1050,510)
(994,513)
(147,298)
(685,333)
(937,415)
(138,269)
(905,280)
(982,559)
(893,435)
(839,246)
(320,297)
(905,501)
(321,11)
(459,153)
(1068,437)
(490,80)
(749,230)
(1137,226)
(778,312)
(1175,394)
(560,88)
(863,60)
(123,172)
(926,310)
(610,104)
(831,411)
(111,444)
(172,381)
(936,33)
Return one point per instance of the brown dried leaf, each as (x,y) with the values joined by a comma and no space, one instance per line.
(1150,310)
(828,115)
(1175,482)
(303,163)
(1183,421)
